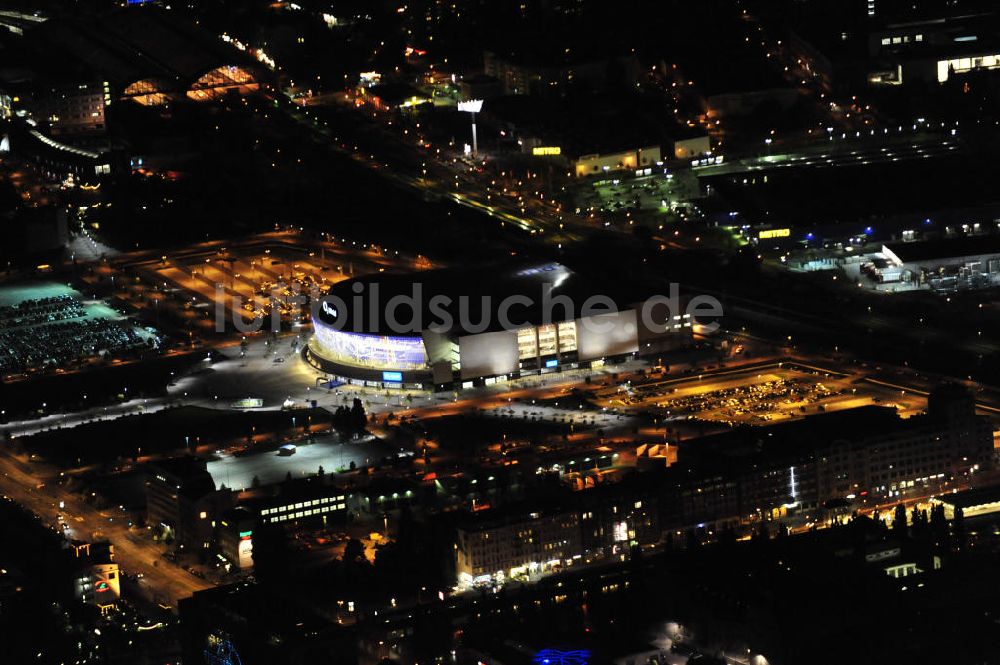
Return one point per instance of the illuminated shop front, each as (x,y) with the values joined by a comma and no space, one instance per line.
(965,65)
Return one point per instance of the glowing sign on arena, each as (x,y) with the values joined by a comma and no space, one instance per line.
(373,351)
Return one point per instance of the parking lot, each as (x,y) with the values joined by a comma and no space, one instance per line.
(757,396)
(239,471)
(198,288)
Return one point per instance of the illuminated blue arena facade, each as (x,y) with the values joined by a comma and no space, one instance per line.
(370,351)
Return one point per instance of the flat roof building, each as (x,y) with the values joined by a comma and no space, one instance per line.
(972,502)
(98,580)
(865,453)
(949,264)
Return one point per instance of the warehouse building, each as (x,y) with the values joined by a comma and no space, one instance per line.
(951,264)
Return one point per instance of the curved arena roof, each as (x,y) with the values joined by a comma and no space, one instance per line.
(364,305)
(147,44)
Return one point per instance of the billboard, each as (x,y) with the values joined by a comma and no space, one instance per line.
(604,335)
(371,351)
(774,233)
(488,354)
(471,106)
(245,549)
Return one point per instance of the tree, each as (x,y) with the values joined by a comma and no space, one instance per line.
(359,418)
(921,524)
(899,522)
(255,483)
(939,526)
(958,527)
(272,552)
(354,551)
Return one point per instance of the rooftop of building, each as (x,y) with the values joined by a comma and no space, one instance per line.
(395,92)
(793,440)
(302,489)
(972,498)
(591,124)
(191,472)
(546,504)
(257,607)
(130,45)
(945,248)
(97,553)
(474,294)
(551,54)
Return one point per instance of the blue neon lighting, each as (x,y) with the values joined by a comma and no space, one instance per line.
(556,657)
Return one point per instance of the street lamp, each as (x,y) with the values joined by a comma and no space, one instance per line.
(472,107)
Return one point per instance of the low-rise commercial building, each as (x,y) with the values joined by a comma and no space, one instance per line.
(595,134)
(393,96)
(949,264)
(556,72)
(311,499)
(235,537)
(98,580)
(974,502)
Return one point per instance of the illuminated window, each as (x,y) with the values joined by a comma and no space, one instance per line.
(547,340)
(148,92)
(527,345)
(567,336)
(221,80)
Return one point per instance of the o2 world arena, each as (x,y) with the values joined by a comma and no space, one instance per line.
(447,328)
